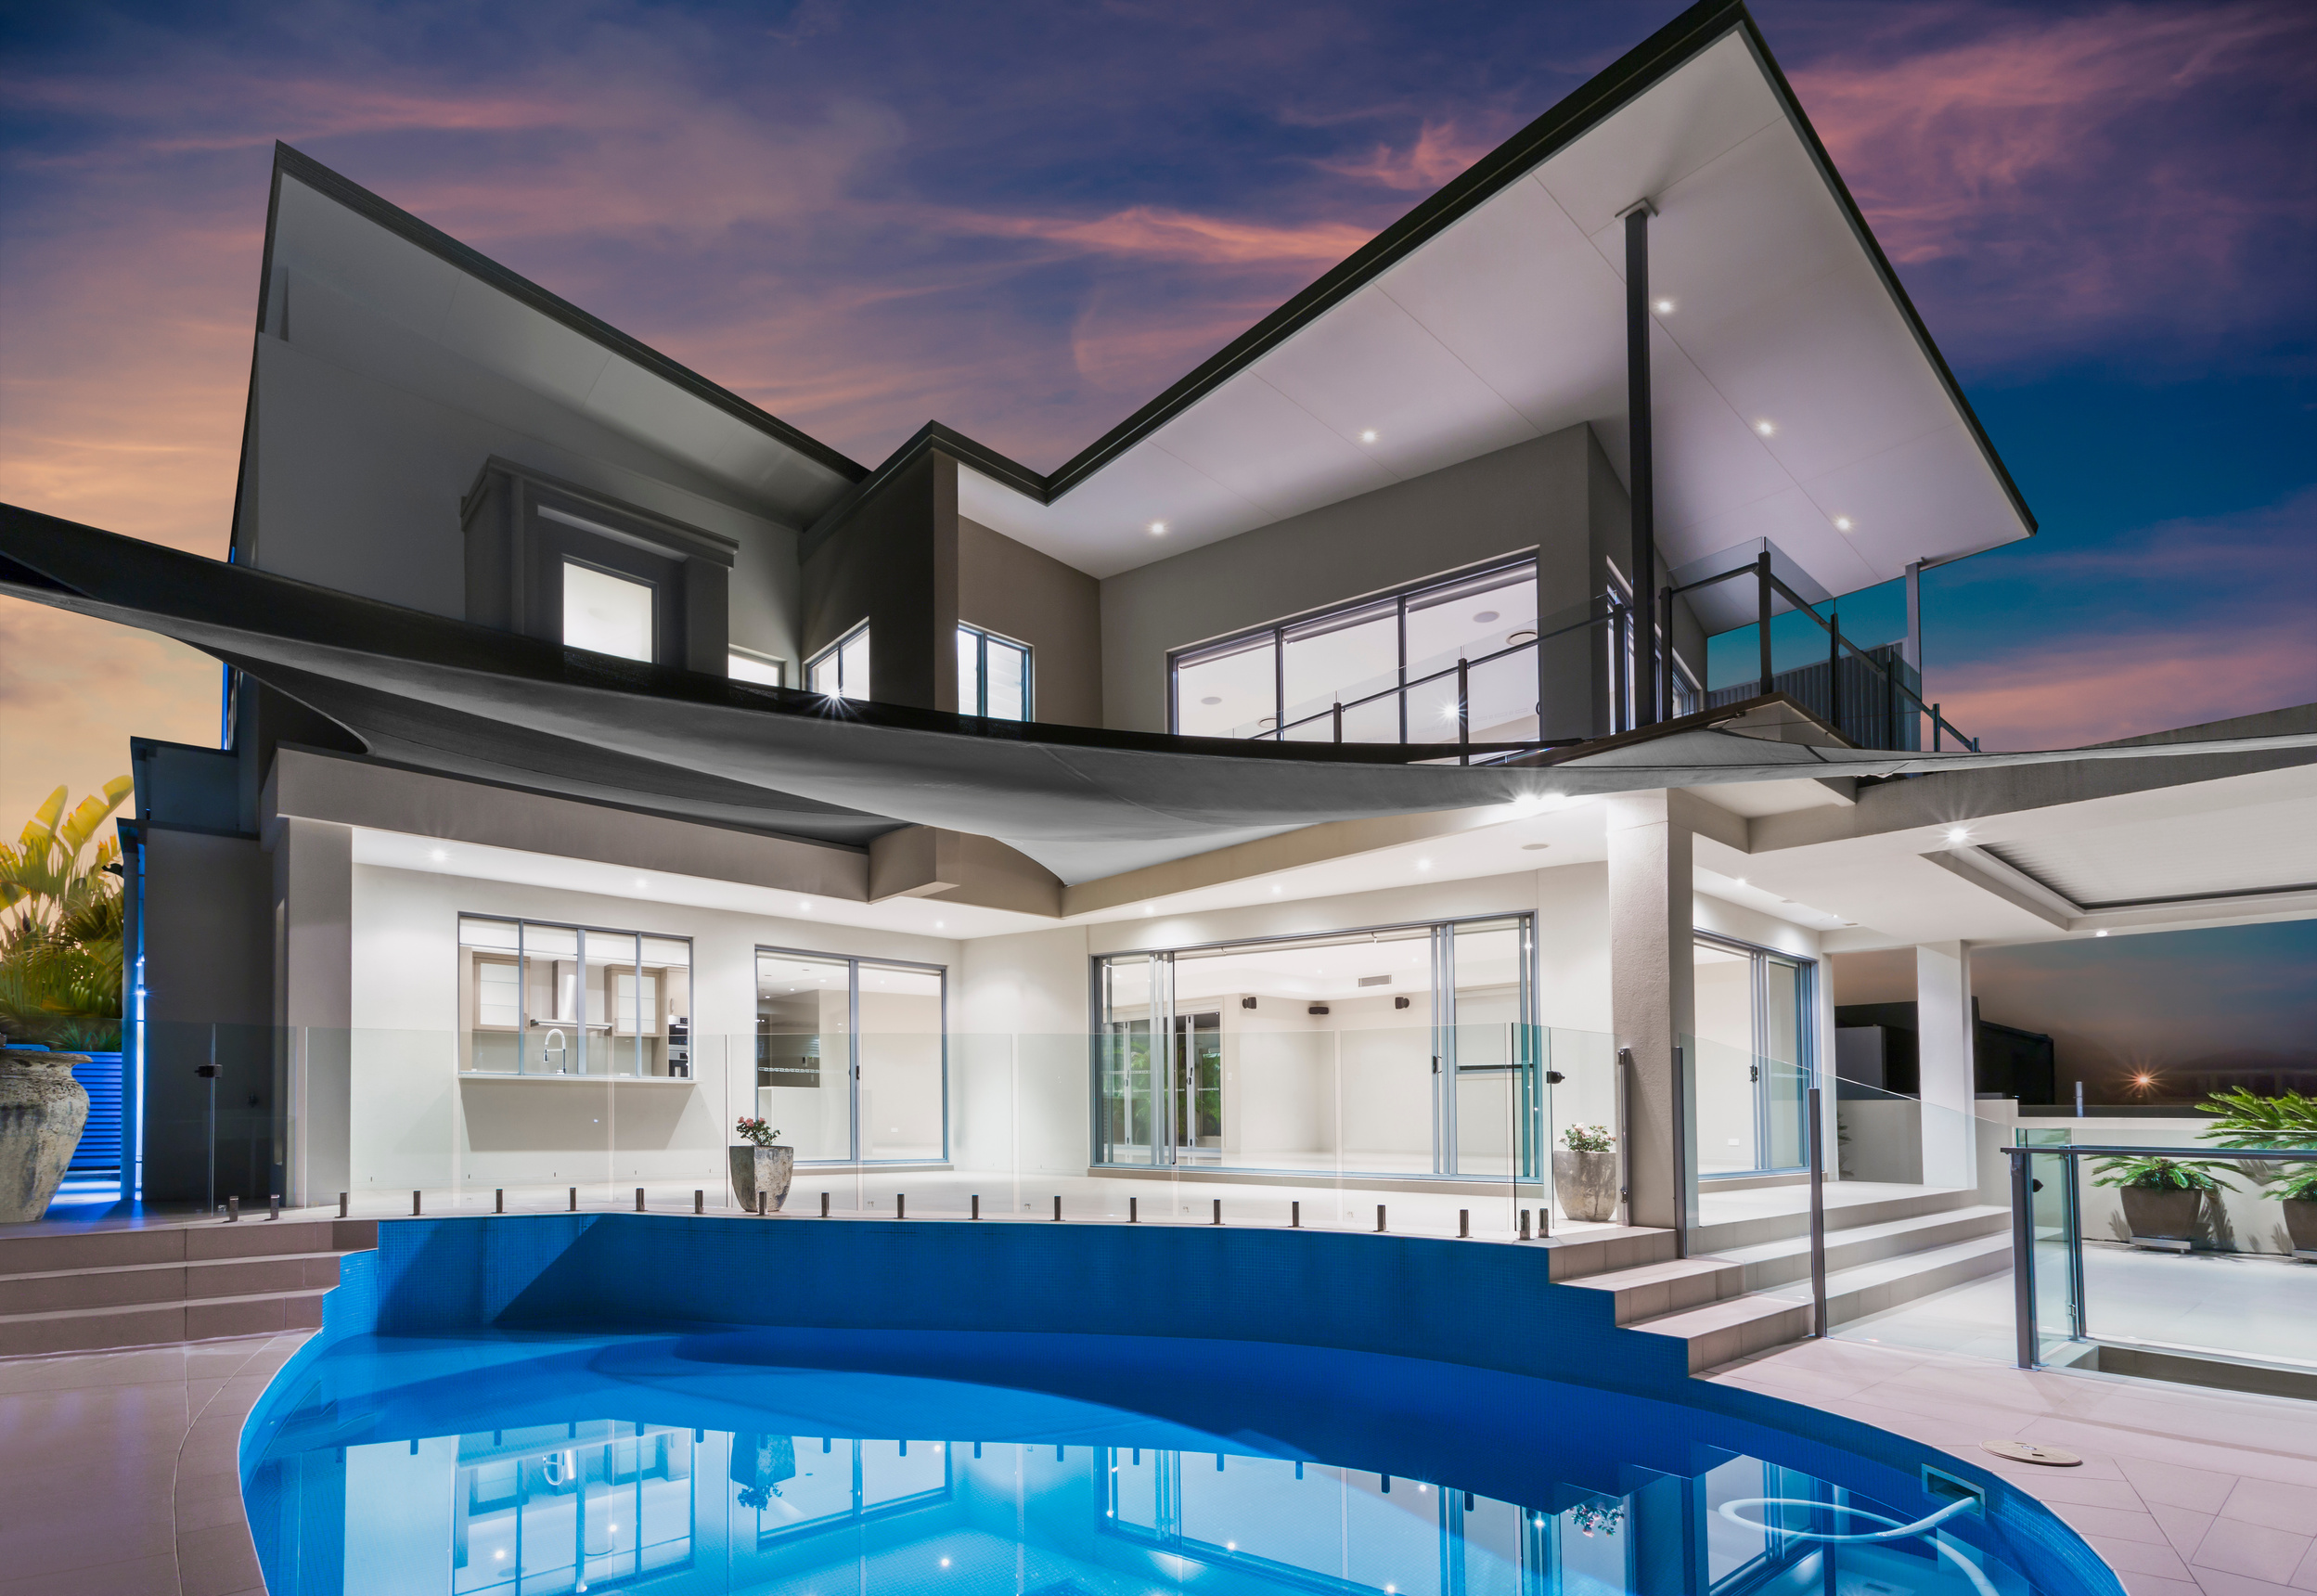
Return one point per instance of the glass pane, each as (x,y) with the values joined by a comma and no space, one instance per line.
(742,667)
(613,1047)
(1503,698)
(1341,658)
(901,1099)
(805,1052)
(968,671)
(1229,691)
(554,1038)
(1009,680)
(1486,1046)
(475,932)
(1470,618)
(1726,1071)
(1129,1112)
(1785,1079)
(822,677)
(606,614)
(853,672)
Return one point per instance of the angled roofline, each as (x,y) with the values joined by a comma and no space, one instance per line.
(1608,92)
(292,162)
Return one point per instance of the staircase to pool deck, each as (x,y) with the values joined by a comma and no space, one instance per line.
(1745,1286)
(82,1289)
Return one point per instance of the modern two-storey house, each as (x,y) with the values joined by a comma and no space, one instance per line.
(1316,785)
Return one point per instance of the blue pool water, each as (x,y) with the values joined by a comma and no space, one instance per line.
(850,1463)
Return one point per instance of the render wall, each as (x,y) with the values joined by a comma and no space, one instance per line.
(1012,589)
(368,437)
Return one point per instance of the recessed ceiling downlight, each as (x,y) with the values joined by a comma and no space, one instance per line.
(1210,701)
(1486,616)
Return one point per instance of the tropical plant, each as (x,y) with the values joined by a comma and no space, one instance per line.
(60,925)
(1588,1139)
(2299,1186)
(2246,1123)
(2151,1173)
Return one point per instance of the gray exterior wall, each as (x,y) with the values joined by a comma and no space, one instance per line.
(367,435)
(893,562)
(1011,588)
(1555,495)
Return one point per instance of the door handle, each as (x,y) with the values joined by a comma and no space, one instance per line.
(1436,1064)
(1754,1072)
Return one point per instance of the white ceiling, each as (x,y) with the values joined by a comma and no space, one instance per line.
(1509,324)
(318,237)
(2264,847)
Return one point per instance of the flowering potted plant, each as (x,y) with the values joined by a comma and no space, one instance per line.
(2163,1197)
(761,1166)
(1585,1172)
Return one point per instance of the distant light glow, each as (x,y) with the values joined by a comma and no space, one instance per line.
(1665,307)
(2099,934)
(1424,864)
(439,855)
(1765,427)
(1842,523)
(1158,529)
(1369,436)
(1958,834)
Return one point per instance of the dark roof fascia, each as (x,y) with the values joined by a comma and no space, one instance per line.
(1883,269)
(441,245)
(248,403)
(1609,91)
(924,441)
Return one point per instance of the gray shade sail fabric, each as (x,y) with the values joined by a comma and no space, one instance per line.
(466,701)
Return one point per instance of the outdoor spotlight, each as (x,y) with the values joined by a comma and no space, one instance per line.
(1158,529)
(1665,307)
(1842,523)
(1958,834)
(1764,428)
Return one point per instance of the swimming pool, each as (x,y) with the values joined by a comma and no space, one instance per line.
(514,1452)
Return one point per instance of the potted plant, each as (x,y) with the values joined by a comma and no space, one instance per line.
(2297,1194)
(1585,1172)
(2162,1197)
(761,1166)
(2246,1123)
(43,1109)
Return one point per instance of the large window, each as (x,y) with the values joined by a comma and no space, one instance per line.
(852,1057)
(542,999)
(748,665)
(1386,667)
(993,675)
(841,670)
(1400,1050)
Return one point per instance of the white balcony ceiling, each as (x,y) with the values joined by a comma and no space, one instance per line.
(1509,324)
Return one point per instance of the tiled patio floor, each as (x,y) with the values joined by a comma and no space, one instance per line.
(2184,1491)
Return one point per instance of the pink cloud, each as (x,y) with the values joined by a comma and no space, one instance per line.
(1437,154)
(2076,692)
(1155,233)
(2060,176)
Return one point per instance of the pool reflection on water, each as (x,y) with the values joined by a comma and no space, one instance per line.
(1075,1501)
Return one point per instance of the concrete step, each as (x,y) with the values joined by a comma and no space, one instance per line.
(1769,1264)
(193,1279)
(1578,1254)
(1726,1235)
(153,1324)
(1736,1326)
(207,1239)
(1651,1291)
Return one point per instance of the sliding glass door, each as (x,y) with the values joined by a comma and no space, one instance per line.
(1396,1051)
(1753,1066)
(852,1057)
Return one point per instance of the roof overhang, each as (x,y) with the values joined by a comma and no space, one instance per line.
(328,237)
(1798,398)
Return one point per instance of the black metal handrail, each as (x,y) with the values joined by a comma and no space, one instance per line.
(1769,583)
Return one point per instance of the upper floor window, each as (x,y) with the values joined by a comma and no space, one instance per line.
(841,670)
(748,665)
(993,675)
(606,613)
(1386,667)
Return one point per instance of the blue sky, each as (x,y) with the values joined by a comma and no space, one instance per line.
(1024,221)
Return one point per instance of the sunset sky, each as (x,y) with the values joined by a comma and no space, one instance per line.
(1024,221)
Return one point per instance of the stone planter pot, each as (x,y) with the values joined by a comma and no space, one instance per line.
(2161,1213)
(2301,1222)
(764,1169)
(42,1111)
(1586,1183)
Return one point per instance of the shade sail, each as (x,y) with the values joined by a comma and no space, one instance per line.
(466,701)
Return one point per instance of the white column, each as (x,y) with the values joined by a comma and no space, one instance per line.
(1945,1036)
(1652,983)
(313,1001)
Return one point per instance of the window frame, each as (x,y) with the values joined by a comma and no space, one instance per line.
(835,651)
(1277,631)
(853,963)
(983,637)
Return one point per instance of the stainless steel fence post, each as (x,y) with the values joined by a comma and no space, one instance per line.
(1818,1218)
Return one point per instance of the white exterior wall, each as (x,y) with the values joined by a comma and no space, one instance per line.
(415,1123)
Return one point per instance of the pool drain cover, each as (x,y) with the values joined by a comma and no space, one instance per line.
(2028,1452)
